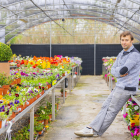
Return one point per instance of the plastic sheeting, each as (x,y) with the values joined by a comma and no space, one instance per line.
(19,15)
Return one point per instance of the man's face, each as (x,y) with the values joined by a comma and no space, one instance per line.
(126,42)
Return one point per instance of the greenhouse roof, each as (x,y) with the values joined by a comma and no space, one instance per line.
(19,15)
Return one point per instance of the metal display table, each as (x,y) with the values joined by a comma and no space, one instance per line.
(71,84)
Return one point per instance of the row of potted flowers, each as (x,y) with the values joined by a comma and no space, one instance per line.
(33,83)
(132,118)
(41,119)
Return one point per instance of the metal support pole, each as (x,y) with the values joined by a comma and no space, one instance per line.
(69,83)
(32,124)
(53,104)
(50,39)
(75,77)
(77,74)
(107,78)
(63,91)
(95,48)
(111,83)
(79,71)
(72,78)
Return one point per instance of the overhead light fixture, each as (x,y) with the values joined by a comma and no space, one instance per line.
(63,19)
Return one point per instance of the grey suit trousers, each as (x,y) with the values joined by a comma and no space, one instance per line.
(110,108)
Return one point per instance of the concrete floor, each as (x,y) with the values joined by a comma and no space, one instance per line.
(80,109)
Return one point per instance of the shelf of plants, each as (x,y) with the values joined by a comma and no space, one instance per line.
(29,83)
(131,110)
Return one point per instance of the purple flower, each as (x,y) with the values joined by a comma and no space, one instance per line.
(30,91)
(2,108)
(11,104)
(28,130)
(16,101)
(22,73)
(1,101)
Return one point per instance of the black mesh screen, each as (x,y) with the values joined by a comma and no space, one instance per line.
(84,51)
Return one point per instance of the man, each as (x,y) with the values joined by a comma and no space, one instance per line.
(126,69)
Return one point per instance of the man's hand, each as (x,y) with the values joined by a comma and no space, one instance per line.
(124,75)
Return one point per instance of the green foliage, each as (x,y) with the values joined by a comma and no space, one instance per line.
(4,80)
(5,52)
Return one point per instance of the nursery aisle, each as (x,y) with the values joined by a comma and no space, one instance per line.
(80,109)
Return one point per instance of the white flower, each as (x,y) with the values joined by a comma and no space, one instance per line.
(136,107)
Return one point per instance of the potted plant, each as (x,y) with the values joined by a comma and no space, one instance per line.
(39,128)
(62,92)
(6,83)
(6,54)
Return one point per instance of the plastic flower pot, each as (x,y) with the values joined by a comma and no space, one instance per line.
(40,132)
(13,82)
(24,106)
(27,103)
(36,115)
(38,96)
(20,108)
(34,99)
(49,86)
(12,116)
(0,124)
(16,81)
(45,122)
(1,91)
(19,80)
(62,94)
(6,87)
(50,117)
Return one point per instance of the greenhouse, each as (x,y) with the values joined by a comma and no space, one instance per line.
(69,69)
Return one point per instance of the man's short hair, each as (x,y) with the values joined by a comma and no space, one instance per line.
(126,33)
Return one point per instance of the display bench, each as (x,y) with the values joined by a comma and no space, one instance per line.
(72,80)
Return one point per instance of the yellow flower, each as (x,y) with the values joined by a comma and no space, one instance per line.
(62,67)
(110,59)
(44,65)
(1,96)
(48,64)
(46,126)
(53,82)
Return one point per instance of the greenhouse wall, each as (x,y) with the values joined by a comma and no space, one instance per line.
(84,51)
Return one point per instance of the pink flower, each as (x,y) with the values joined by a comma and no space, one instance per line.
(132,134)
(135,132)
(125,115)
(105,75)
(138,134)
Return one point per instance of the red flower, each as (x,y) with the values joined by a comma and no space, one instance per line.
(17,95)
(42,88)
(128,127)
(39,87)
(132,124)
